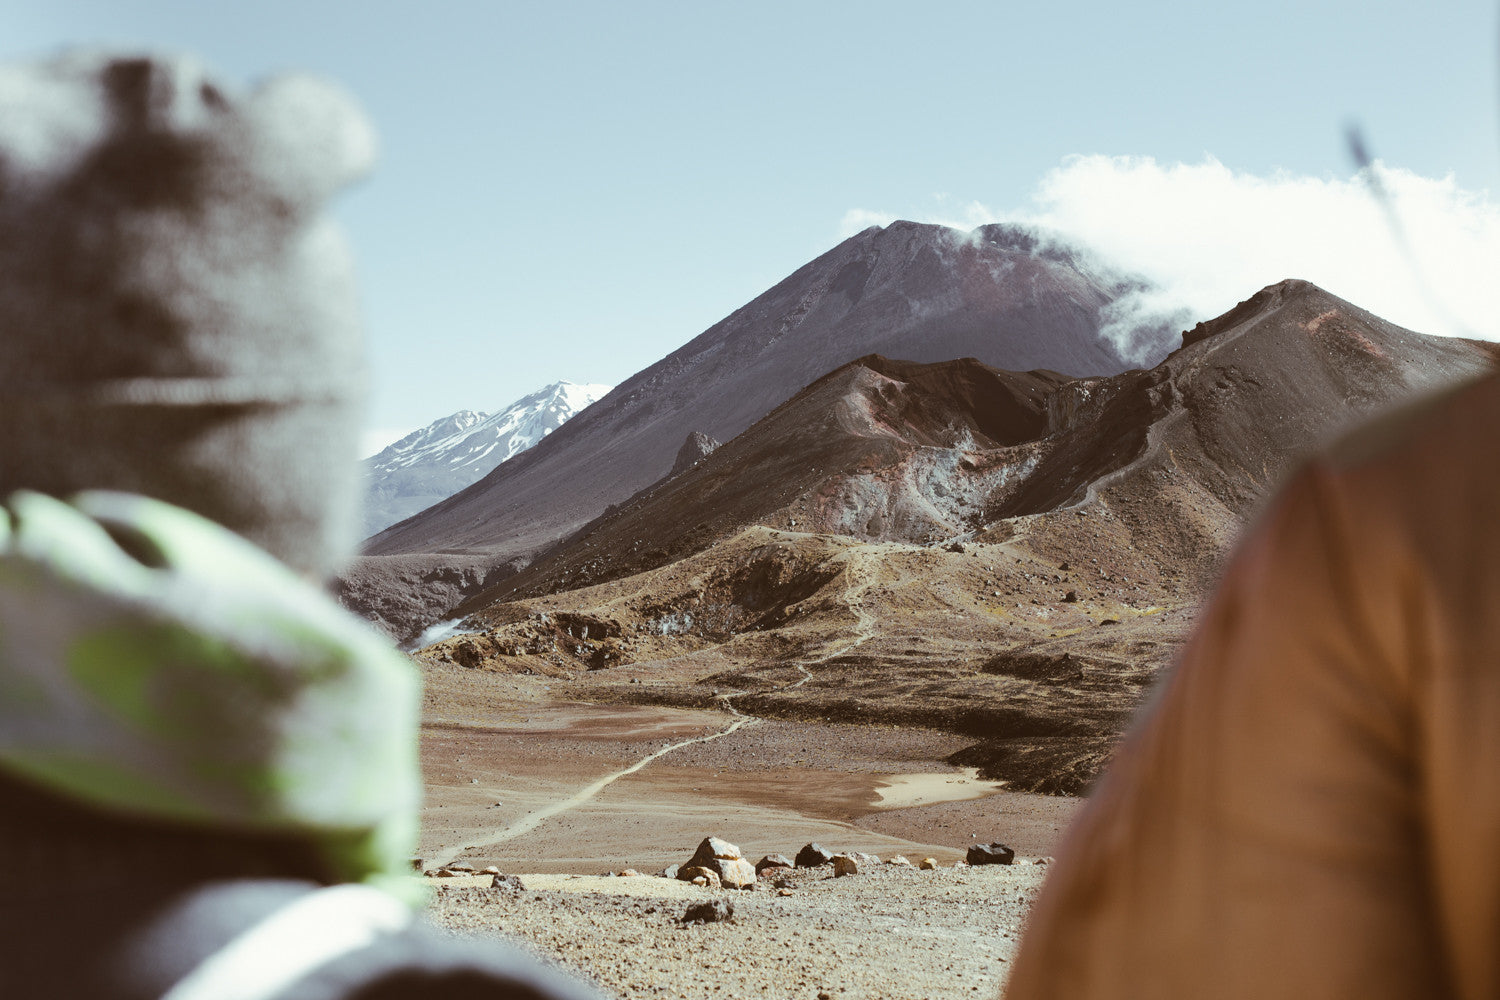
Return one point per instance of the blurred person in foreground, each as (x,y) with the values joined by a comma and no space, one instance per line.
(208,774)
(1310,806)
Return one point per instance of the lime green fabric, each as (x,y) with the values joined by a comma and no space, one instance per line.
(155,663)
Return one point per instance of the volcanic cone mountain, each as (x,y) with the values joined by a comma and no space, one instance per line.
(927,293)
(885,450)
(1008,555)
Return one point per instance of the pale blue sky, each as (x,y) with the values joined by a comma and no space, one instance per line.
(573,190)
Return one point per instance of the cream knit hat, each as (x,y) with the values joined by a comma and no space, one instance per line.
(177,316)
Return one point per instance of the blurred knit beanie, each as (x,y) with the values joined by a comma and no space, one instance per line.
(155,665)
(178,322)
(177,316)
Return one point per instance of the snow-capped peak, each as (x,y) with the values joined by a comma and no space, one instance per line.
(438,430)
(442,458)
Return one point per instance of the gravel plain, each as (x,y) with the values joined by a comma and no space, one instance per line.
(888,932)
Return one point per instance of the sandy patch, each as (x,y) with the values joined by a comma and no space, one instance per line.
(905,790)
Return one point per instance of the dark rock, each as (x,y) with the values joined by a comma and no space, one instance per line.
(710,912)
(990,854)
(468,654)
(813,855)
(1071,597)
(510,883)
(773,861)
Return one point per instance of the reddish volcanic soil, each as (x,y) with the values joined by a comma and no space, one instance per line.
(770,787)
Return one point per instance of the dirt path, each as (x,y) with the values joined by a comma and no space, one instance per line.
(864,629)
(1153,447)
(536,819)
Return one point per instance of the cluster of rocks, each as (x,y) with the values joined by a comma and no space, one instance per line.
(719,864)
(460,869)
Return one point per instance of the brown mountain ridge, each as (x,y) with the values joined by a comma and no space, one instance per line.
(921,292)
(885,450)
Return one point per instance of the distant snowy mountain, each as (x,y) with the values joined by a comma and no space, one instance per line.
(442,458)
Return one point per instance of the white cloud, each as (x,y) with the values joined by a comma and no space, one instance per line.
(1210,236)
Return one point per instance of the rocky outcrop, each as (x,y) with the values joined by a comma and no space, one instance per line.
(695,449)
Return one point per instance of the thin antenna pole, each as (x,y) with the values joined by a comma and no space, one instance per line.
(1370,172)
